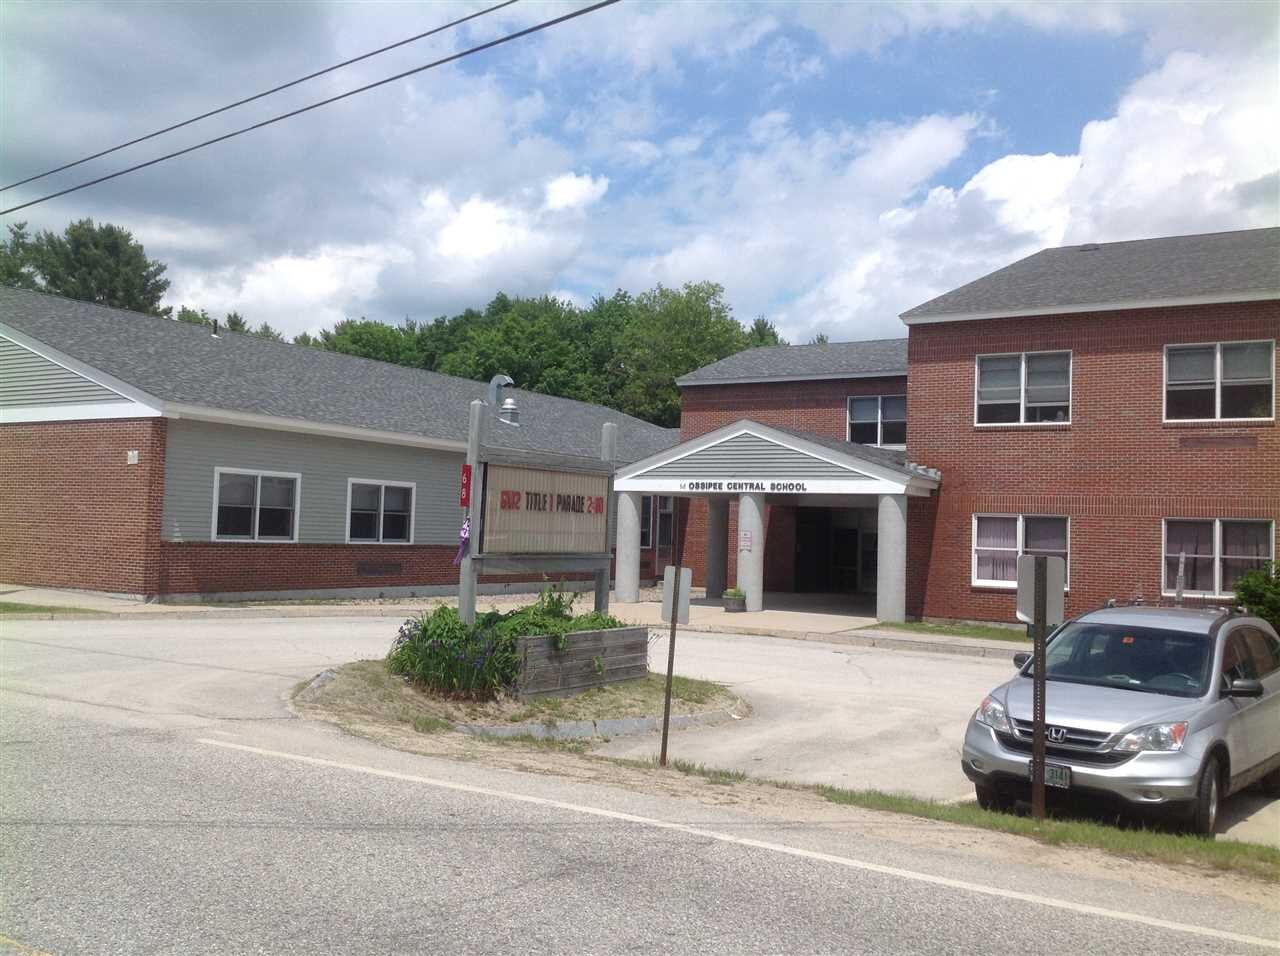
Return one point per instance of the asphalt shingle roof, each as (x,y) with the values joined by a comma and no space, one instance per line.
(832,360)
(1216,265)
(181,363)
(887,457)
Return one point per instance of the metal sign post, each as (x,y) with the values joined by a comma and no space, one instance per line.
(676,584)
(474,494)
(1041,583)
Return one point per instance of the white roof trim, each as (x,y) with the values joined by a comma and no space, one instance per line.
(87,411)
(221,416)
(1217,299)
(752,379)
(851,463)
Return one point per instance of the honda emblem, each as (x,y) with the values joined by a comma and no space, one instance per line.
(1056,734)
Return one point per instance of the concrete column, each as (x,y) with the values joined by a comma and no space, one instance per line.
(717,546)
(891,559)
(627,549)
(751,562)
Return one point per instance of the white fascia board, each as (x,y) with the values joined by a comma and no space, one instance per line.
(828,377)
(271,422)
(79,368)
(745,427)
(1052,310)
(737,485)
(92,411)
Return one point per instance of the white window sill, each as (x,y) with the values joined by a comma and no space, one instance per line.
(1021,424)
(1219,421)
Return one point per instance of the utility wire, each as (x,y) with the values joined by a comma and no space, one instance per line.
(250,99)
(333,99)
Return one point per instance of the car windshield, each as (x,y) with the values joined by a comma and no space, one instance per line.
(1147,659)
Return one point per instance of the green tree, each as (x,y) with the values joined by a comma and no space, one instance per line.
(1259,591)
(16,262)
(819,339)
(763,332)
(375,340)
(235,322)
(94,263)
(193,317)
(670,333)
(265,331)
(306,338)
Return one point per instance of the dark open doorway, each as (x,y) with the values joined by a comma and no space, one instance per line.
(813,549)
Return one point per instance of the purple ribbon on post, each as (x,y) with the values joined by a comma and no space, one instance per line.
(464,539)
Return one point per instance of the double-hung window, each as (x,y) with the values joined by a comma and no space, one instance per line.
(1219,381)
(379,512)
(878,420)
(1214,553)
(255,505)
(998,540)
(1024,388)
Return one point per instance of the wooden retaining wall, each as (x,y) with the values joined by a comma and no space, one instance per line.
(590,659)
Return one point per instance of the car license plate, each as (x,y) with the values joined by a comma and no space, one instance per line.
(1055,775)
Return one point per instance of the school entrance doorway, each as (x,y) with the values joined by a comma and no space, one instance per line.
(835,550)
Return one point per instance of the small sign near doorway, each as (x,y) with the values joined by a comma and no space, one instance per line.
(744,540)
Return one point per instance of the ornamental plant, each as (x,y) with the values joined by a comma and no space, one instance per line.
(482,660)
(1259,592)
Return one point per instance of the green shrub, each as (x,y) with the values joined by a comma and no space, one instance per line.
(733,593)
(1259,592)
(441,652)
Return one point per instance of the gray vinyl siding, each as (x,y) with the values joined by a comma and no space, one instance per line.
(28,379)
(747,456)
(195,449)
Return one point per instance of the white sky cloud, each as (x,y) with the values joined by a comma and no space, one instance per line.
(575,192)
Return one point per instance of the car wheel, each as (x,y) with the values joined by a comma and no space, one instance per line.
(990,798)
(1204,815)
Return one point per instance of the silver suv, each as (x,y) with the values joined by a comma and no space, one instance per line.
(1165,708)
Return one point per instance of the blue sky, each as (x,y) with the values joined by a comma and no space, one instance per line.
(830,164)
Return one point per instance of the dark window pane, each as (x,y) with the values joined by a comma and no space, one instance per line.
(646,521)
(1264,650)
(237,489)
(1000,378)
(235,521)
(1189,403)
(1246,539)
(998,414)
(277,492)
(664,529)
(1049,379)
(364,526)
(997,565)
(395,526)
(1047,535)
(1193,537)
(894,433)
(1247,361)
(864,433)
(275,523)
(1246,401)
(1191,364)
(1048,413)
(1235,568)
(893,408)
(1199,574)
(365,497)
(396,499)
(864,409)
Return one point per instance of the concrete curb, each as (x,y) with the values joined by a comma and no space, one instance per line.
(876,637)
(586,729)
(203,614)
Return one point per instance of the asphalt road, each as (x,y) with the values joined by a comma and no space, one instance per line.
(156,796)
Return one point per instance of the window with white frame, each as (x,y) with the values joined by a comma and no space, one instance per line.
(878,420)
(998,540)
(1214,553)
(255,505)
(379,512)
(1223,380)
(646,522)
(1024,388)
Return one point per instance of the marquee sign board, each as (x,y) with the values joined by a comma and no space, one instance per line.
(537,511)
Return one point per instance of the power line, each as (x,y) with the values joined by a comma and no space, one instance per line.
(333,99)
(258,96)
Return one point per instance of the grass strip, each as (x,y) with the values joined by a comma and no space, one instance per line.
(980,631)
(1140,843)
(13,607)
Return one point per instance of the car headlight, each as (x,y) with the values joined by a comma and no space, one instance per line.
(991,713)
(1160,737)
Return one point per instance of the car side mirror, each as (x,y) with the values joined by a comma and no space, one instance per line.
(1020,659)
(1245,688)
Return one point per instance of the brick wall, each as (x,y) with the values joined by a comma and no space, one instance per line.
(1117,470)
(73,513)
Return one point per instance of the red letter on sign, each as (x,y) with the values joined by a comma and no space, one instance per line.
(465,499)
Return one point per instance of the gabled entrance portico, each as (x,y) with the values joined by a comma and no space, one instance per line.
(861,491)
